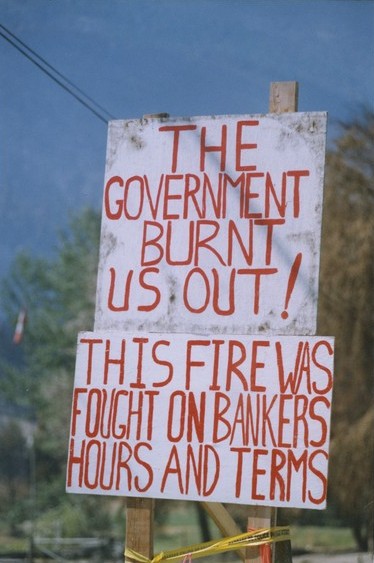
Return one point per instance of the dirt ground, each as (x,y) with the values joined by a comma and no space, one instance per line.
(343,558)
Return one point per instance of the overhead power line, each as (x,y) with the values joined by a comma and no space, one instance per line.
(87,101)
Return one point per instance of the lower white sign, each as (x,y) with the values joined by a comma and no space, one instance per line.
(238,419)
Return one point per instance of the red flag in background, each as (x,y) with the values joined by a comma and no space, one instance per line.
(20,326)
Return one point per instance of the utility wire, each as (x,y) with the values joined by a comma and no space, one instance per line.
(25,50)
(44,61)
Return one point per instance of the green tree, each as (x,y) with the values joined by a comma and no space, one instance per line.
(346,312)
(14,472)
(59,295)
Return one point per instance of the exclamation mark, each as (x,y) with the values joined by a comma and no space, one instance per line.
(291,283)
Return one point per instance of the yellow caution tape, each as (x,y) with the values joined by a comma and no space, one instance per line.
(258,537)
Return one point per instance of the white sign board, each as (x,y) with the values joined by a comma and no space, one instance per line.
(212,224)
(238,419)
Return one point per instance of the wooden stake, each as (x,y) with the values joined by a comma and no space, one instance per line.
(283,99)
(224,522)
(140,511)
(259,517)
(139,525)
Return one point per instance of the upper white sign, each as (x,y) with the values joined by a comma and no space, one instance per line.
(212,224)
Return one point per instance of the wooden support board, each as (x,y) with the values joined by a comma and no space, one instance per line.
(139,525)
(283,98)
(140,511)
(259,517)
(224,522)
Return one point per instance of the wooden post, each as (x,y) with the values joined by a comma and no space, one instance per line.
(283,98)
(139,525)
(140,511)
(224,522)
(259,517)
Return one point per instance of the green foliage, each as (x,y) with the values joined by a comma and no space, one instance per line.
(59,295)
(14,474)
(346,311)
(13,459)
(347,269)
(75,516)
(322,539)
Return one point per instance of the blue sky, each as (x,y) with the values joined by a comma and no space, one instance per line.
(184,57)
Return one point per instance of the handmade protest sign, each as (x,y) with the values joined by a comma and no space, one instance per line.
(212,224)
(210,233)
(228,418)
